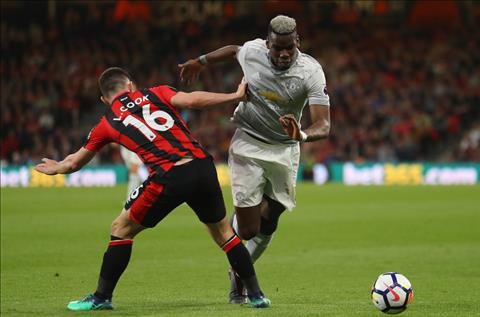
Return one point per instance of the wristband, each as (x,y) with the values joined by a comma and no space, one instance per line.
(303,136)
(203,59)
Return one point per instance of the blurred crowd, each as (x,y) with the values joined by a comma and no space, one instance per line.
(402,95)
(397,93)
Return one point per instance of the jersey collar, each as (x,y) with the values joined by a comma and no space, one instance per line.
(119,95)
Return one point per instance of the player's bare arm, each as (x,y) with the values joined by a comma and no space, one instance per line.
(204,99)
(319,129)
(191,69)
(70,164)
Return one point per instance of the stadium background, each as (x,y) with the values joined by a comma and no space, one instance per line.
(403,77)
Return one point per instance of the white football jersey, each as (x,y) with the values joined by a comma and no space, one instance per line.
(274,93)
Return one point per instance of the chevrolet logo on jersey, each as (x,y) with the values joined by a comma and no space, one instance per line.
(272,96)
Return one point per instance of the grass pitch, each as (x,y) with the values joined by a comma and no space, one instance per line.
(322,262)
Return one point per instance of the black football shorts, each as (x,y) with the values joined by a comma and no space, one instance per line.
(194,183)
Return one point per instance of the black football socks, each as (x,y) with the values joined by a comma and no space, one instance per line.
(115,261)
(241,263)
(117,256)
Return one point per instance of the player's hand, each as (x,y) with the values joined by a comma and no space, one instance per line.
(242,90)
(48,167)
(291,126)
(190,70)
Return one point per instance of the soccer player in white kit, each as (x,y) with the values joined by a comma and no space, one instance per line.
(136,169)
(264,151)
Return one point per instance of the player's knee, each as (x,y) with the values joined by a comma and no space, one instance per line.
(268,226)
(271,212)
(248,232)
(122,229)
(117,228)
(220,231)
(271,208)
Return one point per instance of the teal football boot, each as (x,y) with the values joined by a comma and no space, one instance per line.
(90,303)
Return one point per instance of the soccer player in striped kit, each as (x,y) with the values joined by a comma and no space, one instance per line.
(147,122)
(264,151)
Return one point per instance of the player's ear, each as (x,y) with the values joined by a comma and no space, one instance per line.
(104,100)
(297,40)
(131,86)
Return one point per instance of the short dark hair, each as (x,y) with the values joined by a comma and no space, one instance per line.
(112,79)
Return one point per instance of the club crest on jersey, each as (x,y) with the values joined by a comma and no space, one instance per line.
(293,85)
(240,197)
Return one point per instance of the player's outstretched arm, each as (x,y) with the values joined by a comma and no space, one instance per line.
(205,99)
(70,164)
(191,69)
(319,129)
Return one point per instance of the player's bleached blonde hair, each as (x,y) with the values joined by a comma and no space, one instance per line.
(281,24)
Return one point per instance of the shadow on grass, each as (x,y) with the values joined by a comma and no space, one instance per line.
(179,307)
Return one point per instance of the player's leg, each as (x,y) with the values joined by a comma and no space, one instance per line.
(260,224)
(115,261)
(207,202)
(146,206)
(247,180)
(247,221)
(279,195)
(270,215)
(271,210)
(117,256)
(239,259)
(246,226)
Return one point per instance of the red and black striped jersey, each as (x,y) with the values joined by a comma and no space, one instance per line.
(146,123)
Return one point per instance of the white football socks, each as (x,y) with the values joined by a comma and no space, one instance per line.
(257,245)
(235,224)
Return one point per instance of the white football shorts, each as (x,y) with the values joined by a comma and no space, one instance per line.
(129,157)
(258,168)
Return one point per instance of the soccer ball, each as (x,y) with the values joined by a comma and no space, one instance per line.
(391,293)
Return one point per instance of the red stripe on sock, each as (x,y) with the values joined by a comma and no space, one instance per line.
(230,244)
(120,242)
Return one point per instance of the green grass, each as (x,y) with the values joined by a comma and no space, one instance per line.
(322,262)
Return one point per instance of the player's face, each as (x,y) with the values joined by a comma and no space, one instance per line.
(283,49)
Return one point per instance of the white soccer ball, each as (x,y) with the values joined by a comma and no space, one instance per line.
(391,293)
